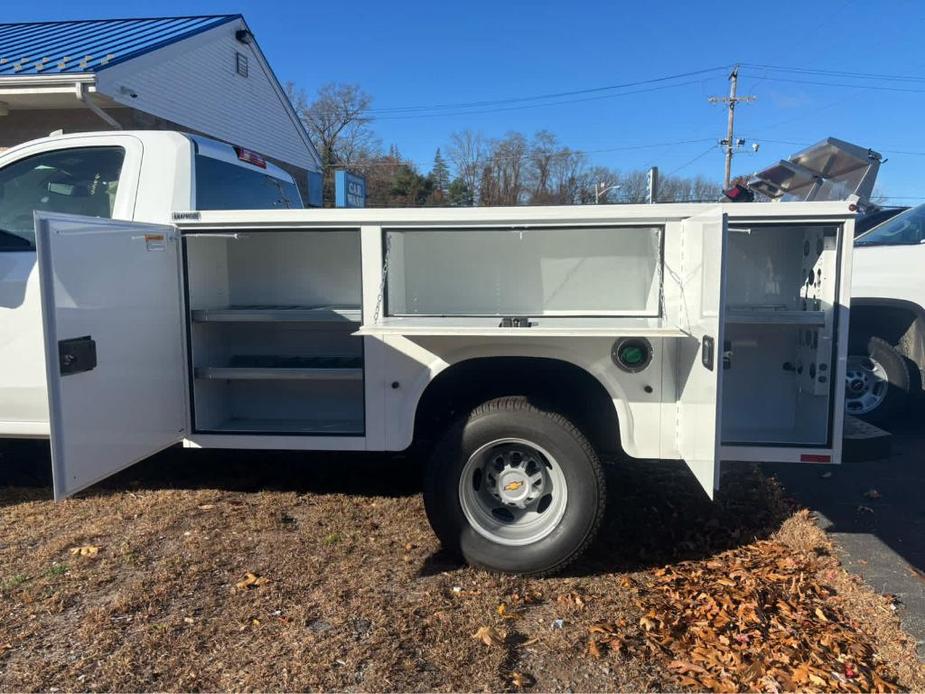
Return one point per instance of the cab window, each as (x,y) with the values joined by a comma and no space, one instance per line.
(80,181)
(905,229)
(221,185)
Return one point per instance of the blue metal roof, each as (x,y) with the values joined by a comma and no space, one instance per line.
(41,48)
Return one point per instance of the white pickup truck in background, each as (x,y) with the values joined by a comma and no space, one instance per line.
(129,175)
(886,351)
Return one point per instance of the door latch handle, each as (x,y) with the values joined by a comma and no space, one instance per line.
(707,350)
(76,355)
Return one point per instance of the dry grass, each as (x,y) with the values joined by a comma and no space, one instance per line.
(357,595)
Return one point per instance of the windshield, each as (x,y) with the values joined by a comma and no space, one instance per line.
(906,229)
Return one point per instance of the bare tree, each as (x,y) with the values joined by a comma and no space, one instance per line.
(567,177)
(467,152)
(544,150)
(506,169)
(337,121)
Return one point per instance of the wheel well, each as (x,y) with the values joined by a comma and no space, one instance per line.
(899,323)
(548,383)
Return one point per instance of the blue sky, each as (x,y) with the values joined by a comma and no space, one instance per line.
(426,53)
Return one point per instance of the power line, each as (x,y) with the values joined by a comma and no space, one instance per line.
(837,73)
(876,87)
(695,159)
(444,114)
(883,150)
(553,95)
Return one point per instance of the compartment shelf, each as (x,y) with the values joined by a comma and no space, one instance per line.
(287,426)
(254,373)
(752,316)
(268,314)
(259,367)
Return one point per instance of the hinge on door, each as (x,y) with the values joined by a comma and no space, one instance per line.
(76,355)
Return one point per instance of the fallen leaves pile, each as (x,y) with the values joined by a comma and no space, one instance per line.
(756,618)
(226,571)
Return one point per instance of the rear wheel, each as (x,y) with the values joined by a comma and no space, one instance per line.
(877,381)
(515,488)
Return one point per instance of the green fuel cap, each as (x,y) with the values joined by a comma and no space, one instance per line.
(632,354)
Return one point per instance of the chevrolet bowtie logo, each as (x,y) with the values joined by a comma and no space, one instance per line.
(513,486)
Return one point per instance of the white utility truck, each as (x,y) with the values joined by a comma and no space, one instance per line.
(141,176)
(523,343)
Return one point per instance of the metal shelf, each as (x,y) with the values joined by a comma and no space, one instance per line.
(745,316)
(271,367)
(253,373)
(287,426)
(270,314)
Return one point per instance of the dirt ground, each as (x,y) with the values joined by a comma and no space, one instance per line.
(204,570)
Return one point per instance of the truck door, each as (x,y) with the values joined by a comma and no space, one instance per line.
(701,294)
(113,344)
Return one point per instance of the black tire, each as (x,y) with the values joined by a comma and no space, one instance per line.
(896,400)
(515,417)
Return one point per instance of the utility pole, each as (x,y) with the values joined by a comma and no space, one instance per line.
(652,185)
(730,143)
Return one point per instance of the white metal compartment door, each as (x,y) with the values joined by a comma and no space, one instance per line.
(701,293)
(113,344)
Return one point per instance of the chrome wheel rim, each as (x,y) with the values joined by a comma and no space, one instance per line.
(866,385)
(513,492)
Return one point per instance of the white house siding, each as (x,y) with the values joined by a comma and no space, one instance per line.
(194,83)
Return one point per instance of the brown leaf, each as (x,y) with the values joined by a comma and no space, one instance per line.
(488,635)
(571,600)
(593,649)
(251,580)
(682,666)
(521,680)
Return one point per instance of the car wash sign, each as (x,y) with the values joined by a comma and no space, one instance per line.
(349,189)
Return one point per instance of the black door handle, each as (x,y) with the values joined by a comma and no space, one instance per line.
(76,355)
(707,349)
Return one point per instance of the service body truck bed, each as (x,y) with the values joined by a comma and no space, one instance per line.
(515,342)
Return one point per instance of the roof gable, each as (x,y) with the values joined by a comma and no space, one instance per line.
(39,48)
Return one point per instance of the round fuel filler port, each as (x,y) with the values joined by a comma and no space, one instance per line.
(632,354)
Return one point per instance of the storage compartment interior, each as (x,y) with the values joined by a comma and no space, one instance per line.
(271,317)
(781,285)
(535,271)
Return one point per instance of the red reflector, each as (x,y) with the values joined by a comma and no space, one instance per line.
(815,458)
(251,157)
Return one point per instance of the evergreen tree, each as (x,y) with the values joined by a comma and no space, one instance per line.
(440,173)
(459,195)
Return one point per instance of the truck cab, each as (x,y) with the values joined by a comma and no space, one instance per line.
(125,175)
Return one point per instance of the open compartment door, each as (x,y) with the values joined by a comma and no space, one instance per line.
(113,344)
(701,295)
